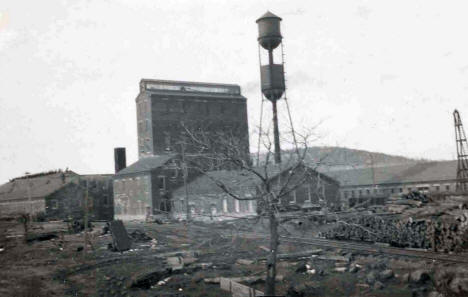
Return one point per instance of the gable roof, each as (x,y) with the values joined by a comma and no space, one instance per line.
(146,164)
(205,183)
(235,180)
(36,186)
(403,173)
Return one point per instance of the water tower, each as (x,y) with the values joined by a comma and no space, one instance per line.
(271,74)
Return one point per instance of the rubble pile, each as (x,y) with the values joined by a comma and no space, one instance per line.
(451,280)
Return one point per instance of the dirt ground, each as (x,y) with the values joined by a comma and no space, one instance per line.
(63,266)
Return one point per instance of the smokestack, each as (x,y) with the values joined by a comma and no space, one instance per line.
(120,159)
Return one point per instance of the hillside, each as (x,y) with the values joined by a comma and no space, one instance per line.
(346,158)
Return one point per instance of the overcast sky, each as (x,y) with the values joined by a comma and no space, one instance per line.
(377,75)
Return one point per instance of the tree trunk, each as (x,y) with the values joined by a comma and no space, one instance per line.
(271,262)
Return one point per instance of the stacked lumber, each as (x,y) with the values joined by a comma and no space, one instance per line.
(385,230)
(437,224)
(402,202)
(449,232)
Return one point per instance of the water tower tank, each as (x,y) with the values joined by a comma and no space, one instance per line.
(272,77)
(269,35)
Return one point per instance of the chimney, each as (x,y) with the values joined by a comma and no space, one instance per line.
(119,159)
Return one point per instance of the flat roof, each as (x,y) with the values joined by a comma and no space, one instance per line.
(157,86)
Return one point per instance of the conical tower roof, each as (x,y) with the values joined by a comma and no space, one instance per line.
(268,15)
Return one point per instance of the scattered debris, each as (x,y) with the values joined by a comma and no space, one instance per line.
(244,262)
(419,276)
(77,226)
(264,248)
(340,269)
(144,280)
(371,277)
(302,267)
(176,263)
(386,274)
(354,268)
(31,237)
(154,242)
(164,281)
(378,285)
(140,236)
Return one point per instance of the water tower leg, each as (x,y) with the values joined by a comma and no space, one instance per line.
(276,133)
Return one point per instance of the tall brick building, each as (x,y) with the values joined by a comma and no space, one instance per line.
(165,109)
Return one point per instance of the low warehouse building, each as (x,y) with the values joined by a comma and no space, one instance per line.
(58,195)
(306,189)
(376,184)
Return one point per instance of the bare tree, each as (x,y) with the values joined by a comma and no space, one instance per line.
(266,183)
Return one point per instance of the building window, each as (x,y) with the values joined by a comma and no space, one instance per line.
(294,198)
(401,190)
(167,141)
(236,205)
(368,192)
(352,193)
(251,206)
(54,204)
(360,193)
(409,189)
(105,200)
(447,187)
(162,182)
(225,206)
(392,190)
(437,188)
(346,194)
(309,194)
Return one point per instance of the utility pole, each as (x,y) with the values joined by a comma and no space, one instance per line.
(85,220)
(30,201)
(184,175)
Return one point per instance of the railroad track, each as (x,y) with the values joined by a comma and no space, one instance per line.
(376,249)
(368,247)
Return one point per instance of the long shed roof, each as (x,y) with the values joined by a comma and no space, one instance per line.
(36,186)
(395,174)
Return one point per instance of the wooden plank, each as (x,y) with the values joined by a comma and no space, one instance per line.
(120,238)
(238,290)
(243,279)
